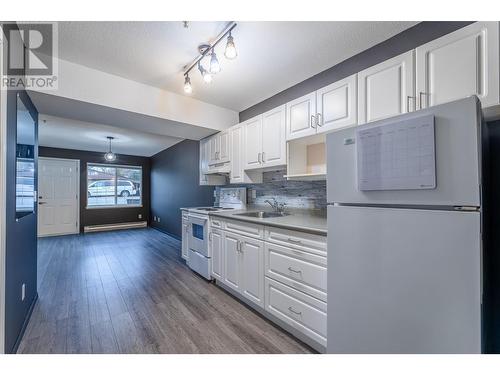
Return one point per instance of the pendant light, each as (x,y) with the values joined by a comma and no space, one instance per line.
(188,89)
(230,51)
(214,63)
(110,155)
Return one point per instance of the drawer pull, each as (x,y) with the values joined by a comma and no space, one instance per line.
(292,270)
(294,241)
(290,308)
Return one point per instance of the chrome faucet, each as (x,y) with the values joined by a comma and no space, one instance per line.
(277,206)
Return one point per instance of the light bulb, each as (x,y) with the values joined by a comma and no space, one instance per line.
(110,156)
(207,77)
(230,51)
(188,89)
(214,63)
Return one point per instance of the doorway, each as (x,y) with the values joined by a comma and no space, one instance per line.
(58,196)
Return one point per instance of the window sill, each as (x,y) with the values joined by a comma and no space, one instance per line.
(114,206)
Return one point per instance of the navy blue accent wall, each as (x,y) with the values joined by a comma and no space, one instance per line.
(409,39)
(102,216)
(21,236)
(175,177)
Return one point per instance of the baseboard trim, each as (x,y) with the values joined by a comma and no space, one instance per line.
(118,226)
(25,324)
(167,233)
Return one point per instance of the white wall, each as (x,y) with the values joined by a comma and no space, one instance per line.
(90,85)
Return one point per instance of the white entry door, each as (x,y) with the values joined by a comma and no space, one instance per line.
(58,203)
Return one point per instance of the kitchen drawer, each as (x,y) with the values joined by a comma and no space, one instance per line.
(243,227)
(215,223)
(306,314)
(312,243)
(298,269)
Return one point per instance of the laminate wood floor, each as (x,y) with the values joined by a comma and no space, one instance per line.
(130,292)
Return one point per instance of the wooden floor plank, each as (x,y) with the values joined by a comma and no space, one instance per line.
(130,292)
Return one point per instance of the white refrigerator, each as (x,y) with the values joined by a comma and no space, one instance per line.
(404,250)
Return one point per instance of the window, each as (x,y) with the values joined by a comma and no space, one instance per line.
(110,186)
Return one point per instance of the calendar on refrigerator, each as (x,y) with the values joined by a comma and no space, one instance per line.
(397,156)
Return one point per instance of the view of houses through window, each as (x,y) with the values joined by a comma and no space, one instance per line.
(113,185)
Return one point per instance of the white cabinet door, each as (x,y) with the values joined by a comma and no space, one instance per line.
(253,143)
(232,261)
(214,149)
(300,117)
(252,269)
(224,147)
(216,243)
(273,137)
(386,89)
(184,249)
(460,64)
(337,105)
(236,141)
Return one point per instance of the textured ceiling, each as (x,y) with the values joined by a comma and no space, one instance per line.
(78,135)
(272,56)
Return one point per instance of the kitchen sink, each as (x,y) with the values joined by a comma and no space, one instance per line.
(262,214)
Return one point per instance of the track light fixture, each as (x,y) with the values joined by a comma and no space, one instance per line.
(214,65)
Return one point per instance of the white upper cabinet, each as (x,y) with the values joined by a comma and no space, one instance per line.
(265,140)
(460,64)
(301,117)
(337,105)
(219,148)
(273,137)
(205,178)
(214,148)
(386,89)
(224,146)
(237,155)
(253,142)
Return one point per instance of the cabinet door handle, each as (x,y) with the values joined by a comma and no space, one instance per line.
(313,121)
(210,236)
(258,157)
(408,103)
(263,157)
(293,270)
(293,240)
(319,119)
(421,94)
(290,308)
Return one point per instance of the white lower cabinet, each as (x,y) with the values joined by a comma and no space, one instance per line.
(217,253)
(301,311)
(252,269)
(244,266)
(280,270)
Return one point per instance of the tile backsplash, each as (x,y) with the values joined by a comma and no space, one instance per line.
(296,194)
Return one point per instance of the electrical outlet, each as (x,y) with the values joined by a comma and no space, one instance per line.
(158,219)
(254,193)
(139,216)
(154,218)
(23,292)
